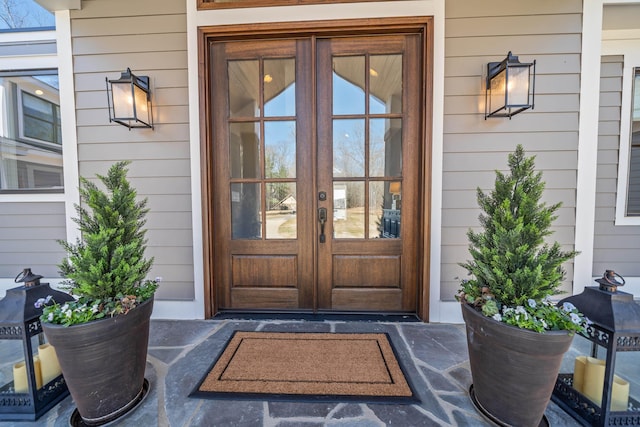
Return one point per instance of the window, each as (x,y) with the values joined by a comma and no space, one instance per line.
(30,132)
(633,193)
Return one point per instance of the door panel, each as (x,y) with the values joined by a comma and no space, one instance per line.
(368,154)
(298,138)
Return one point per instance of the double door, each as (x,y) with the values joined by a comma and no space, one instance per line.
(315,160)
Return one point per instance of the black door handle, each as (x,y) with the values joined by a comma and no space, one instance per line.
(322,218)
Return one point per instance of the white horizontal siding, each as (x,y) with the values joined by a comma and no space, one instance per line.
(481,32)
(28,237)
(615,247)
(150,38)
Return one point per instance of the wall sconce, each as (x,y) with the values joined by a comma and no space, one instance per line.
(510,87)
(129,100)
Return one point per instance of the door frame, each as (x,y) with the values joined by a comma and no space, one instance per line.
(351,27)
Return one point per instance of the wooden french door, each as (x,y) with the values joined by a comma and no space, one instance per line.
(315,152)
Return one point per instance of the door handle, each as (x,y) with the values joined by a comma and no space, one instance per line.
(322,218)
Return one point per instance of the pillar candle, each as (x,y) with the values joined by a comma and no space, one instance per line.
(578,373)
(594,380)
(20,381)
(48,363)
(619,394)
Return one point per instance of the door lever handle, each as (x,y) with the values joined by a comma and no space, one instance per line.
(322,218)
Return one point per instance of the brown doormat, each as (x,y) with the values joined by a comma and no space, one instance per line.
(311,366)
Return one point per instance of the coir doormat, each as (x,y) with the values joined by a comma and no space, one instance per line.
(308,366)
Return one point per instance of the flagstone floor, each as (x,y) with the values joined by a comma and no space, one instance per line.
(434,357)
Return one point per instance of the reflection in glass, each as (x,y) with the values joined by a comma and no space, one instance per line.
(391,211)
(30,131)
(280,149)
(244,150)
(348,147)
(348,210)
(244,95)
(385,84)
(245,211)
(281,210)
(348,85)
(279,82)
(385,147)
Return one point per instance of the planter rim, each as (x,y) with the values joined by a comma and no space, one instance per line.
(95,321)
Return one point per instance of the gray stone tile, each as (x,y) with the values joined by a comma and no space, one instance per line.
(300,409)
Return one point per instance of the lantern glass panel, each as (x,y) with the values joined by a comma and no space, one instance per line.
(518,90)
(11,354)
(142,109)
(122,100)
(497,91)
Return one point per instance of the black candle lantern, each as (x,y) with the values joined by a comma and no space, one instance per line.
(129,100)
(510,87)
(30,382)
(600,392)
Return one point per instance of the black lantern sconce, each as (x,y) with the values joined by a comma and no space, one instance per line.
(129,100)
(601,390)
(510,87)
(31,382)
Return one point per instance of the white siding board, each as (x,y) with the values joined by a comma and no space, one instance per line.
(550,103)
(545,84)
(116,133)
(522,46)
(130,43)
(138,151)
(463,8)
(135,25)
(142,63)
(503,142)
(532,122)
(513,25)
(125,8)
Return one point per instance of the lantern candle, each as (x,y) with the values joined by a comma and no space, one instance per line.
(20,381)
(578,373)
(48,363)
(619,394)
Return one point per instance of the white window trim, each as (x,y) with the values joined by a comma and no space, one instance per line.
(629,48)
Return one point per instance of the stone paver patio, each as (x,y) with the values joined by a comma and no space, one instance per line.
(433,355)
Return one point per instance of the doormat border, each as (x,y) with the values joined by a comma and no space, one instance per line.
(324,398)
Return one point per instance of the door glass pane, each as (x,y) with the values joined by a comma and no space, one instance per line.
(244,95)
(244,150)
(279,82)
(348,210)
(280,149)
(348,148)
(281,210)
(384,209)
(348,85)
(245,211)
(385,87)
(385,147)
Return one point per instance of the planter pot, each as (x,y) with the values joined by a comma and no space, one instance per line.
(513,370)
(103,362)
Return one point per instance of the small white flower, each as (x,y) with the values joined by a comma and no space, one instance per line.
(50,317)
(39,303)
(567,306)
(531,302)
(520,310)
(497,317)
(575,318)
(94,309)
(68,313)
(65,307)
(544,324)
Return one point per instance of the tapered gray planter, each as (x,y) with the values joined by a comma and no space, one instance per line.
(513,370)
(103,362)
